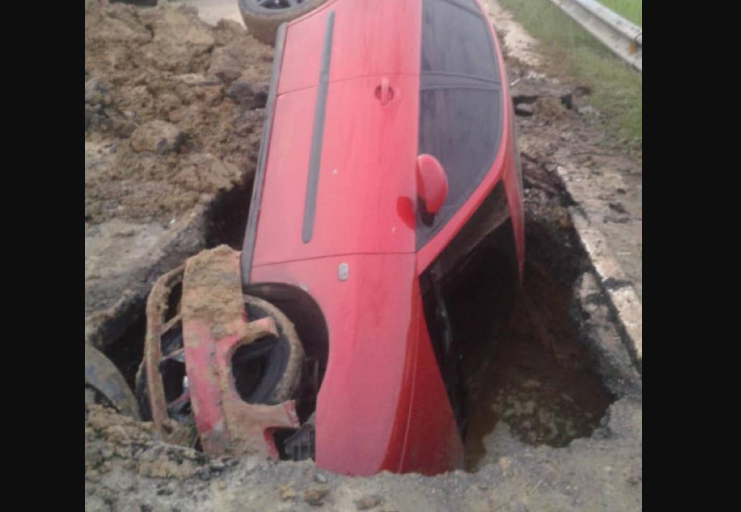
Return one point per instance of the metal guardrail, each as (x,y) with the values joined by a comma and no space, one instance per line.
(620,35)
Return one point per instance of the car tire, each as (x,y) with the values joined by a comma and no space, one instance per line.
(105,379)
(142,395)
(263,23)
(282,373)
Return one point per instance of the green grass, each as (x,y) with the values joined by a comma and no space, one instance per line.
(629,9)
(617,90)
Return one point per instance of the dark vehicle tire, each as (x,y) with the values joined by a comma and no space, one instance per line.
(263,17)
(142,397)
(282,359)
(102,376)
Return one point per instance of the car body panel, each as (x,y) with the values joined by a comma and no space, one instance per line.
(373,39)
(379,375)
(383,403)
(366,178)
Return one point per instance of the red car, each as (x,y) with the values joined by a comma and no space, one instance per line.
(388,157)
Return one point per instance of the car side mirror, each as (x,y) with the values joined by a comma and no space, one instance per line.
(432,183)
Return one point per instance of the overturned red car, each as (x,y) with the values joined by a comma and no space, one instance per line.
(388,158)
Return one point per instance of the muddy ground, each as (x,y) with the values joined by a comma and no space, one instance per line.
(173,115)
(173,119)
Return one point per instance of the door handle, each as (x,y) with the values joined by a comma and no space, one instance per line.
(384,92)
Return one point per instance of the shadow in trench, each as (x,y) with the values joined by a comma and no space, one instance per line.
(528,370)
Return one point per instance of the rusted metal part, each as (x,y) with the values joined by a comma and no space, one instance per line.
(103,376)
(157,326)
(215,325)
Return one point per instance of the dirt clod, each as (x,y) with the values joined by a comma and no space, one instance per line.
(287,493)
(524,109)
(368,502)
(315,495)
(157,137)
(214,291)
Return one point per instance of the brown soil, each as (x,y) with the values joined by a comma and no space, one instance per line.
(173,110)
(213,286)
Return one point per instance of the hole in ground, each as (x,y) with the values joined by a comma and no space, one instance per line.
(225,223)
(227,218)
(534,376)
(528,374)
(127,351)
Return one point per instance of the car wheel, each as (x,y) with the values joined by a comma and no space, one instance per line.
(265,372)
(263,17)
(273,365)
(106,382)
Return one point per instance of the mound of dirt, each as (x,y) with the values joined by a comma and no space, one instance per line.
(173,110)
(112,439)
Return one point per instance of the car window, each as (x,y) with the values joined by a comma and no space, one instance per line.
(460,103)
(456,40)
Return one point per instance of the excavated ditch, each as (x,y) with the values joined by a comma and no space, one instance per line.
(527,371)
(224,223)
(531,374)
(552,402)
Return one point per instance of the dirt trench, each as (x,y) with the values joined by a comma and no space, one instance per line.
(554,411)
(554,403)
